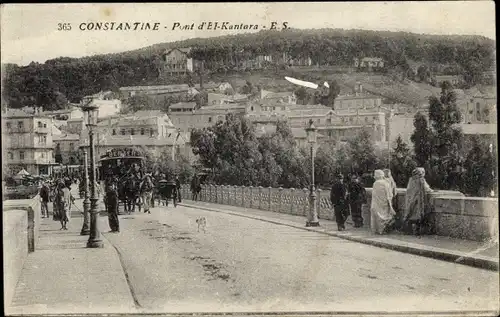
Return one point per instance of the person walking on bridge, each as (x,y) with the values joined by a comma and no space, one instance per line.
(195,187)
(338,198)
(147,192)
(112,206)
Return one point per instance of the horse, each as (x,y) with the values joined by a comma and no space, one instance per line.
(129,194)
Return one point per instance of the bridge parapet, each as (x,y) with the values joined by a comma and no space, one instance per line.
(451,213)
(21,225)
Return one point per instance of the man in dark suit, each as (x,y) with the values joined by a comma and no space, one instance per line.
(338,197)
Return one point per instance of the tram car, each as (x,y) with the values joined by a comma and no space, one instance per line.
(125,167)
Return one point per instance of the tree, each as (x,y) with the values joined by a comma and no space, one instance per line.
(302,95)
(447,138)
(479,166)
(362,152)
(423,73)
(421,139)
(402,163)
(201,99)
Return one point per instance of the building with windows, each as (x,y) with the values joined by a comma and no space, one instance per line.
(206,116)
(152,130)
(177,61)
(27,139)
(67,146)
(452,79)
(479,109)
(159,92)
(369,62)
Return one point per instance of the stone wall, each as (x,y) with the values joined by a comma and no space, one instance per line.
(15,249)
(21,227)
(452,214)
(33,209)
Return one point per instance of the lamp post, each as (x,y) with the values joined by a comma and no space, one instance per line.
(312,217)
(91,112)
(86,202)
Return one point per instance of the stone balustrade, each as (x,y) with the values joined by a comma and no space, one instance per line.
(451,213)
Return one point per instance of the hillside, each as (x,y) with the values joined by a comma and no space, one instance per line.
(63,79)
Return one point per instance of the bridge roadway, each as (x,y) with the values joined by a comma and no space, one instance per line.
(245,264)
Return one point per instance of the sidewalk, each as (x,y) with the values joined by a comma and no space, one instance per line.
(62,276)
(472,253)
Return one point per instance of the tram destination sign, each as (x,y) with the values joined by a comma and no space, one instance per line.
(126,152)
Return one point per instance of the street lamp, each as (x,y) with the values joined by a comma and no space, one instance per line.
(312,217)
(91,111)
(86,202)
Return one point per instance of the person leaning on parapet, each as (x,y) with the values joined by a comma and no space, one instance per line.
(338,197)
(394,192)
(356,198)
(415,215)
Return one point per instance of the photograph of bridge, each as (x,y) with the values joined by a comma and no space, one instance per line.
(250,158)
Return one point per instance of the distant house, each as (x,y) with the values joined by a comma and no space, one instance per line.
(369,62)
(279,97)
(214,87)
(159,92)
(221,99)
(453,79)
(183,107)
(176,61)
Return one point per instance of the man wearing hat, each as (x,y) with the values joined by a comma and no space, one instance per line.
(112,206)
(338,198)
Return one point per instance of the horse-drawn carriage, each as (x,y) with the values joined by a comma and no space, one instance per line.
(167,190)
(126,168)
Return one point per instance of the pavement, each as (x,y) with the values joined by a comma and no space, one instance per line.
(246,261)
(242,264)
(478,254)
(63,276)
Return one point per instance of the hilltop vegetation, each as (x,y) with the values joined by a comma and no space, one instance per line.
(63,79)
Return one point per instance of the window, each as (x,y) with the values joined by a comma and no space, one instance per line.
(43,155)
(151,132)
(114,131)
(21,155)
(45,125)
(209,119)
(132,131)
(329,121)
(251,108)
(366,119)
(40,124)
(9,125)
(20,125)
(11,156)
(142,131)
(122,132)
(71,146)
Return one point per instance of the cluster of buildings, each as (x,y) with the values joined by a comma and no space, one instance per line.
(38,141)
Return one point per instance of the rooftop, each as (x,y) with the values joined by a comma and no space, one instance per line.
(479,128)
(183,105)
(162,87)
(65,136)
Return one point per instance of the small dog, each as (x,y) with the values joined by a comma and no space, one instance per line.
(202,223)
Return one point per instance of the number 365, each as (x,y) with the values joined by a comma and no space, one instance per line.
(64,26)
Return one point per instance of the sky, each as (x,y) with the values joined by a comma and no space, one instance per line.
(30,31)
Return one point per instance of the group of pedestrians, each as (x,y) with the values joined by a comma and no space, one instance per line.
(348,199)
(59,192)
